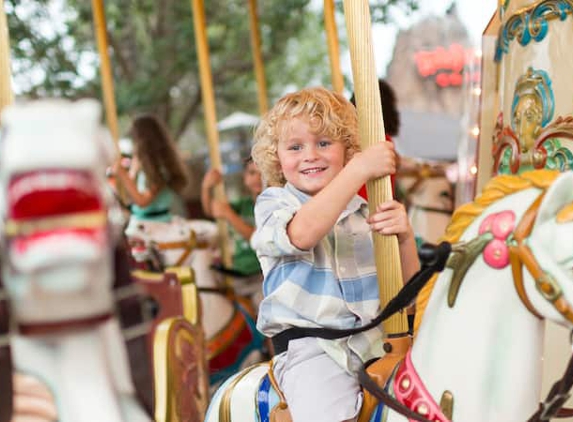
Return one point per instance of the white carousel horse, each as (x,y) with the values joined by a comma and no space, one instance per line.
(477,353)
(60,226)
(428,196)
(233,341)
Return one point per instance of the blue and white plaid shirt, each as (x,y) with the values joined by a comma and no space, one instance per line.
(332,285)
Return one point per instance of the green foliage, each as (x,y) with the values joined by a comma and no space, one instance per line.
(152,49)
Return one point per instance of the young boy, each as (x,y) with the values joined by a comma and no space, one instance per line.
(314,243)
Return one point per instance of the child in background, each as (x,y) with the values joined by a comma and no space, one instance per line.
(391,117)
(156,174)
(240,215)
(315,247)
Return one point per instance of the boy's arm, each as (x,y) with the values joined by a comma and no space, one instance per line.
(317,216)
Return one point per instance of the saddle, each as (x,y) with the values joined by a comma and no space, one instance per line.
(379,371)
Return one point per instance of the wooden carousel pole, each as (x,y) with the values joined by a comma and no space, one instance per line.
(333,48)
(6,95)
(371,130)
(258,58)
(105,69)
(198,8)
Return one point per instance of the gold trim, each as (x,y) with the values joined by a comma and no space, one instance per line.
(282,400)
(225,404)
(447,404)
(84,220)
(147,275)
(163,403)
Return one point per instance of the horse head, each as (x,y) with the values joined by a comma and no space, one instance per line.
(60,228)
(549,285)
(58,217)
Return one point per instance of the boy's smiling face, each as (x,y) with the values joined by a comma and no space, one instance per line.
(309,161)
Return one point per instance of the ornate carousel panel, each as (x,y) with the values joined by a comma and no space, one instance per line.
(534,127)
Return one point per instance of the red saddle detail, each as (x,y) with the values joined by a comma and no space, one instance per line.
(411,392)
(224,348)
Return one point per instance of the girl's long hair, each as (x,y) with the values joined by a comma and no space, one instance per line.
(157,154)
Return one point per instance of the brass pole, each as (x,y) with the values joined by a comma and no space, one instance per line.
(208,96)
(6,95)
(258,58)
(105,69)
(333,48)
(371,130)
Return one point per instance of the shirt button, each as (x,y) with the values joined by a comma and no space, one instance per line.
(342,269)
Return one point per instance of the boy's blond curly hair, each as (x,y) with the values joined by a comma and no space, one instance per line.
(327,113)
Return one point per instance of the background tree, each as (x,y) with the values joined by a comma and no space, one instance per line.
(153,53)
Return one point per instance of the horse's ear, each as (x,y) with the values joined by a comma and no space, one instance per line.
(559,195)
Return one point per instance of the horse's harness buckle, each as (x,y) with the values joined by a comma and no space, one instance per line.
(548,287)
(551,407)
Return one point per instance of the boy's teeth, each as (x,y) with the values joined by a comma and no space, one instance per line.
(312,171)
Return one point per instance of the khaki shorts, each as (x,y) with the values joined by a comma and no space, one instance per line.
(316,388)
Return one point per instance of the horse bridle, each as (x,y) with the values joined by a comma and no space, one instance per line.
(520,255)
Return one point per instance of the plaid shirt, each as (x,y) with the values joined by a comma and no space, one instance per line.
(332,285)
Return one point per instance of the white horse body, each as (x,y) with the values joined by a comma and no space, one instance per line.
(487,342)
(61,227)
(216,309)
(486,350)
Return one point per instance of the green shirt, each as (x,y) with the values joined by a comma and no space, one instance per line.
(244,258)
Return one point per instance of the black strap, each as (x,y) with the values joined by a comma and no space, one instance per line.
(556,398)
(228,271)
(151,213)
(433,260)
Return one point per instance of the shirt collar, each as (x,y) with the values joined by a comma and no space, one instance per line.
(357,203)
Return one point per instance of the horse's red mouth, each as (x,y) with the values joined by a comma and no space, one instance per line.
(50,193)
(55,216)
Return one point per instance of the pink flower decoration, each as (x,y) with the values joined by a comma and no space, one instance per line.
(501,224)
(496,254)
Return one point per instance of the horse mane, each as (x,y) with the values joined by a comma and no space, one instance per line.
(495,189)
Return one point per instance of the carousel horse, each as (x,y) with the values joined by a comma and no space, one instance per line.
(477,352)
(60,231)
(428,196)
(233,341)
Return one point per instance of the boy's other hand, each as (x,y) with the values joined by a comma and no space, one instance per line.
(391,218)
